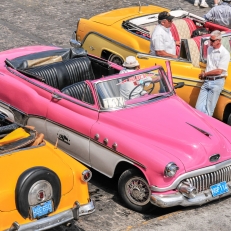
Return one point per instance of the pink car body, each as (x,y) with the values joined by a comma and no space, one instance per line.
(165,152)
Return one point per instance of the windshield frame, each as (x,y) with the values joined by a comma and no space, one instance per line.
(149,99)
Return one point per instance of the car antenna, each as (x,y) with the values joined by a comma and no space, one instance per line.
(56,143)
(139,7)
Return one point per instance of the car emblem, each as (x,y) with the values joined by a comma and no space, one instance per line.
(214,158)
(41,195)
(62,136)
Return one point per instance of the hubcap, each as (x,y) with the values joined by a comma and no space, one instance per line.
(40,191)
(137,191)
(115,59)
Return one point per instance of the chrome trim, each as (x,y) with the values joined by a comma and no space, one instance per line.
(176,199)
(200,130)
(86,209)
(111,40)
(120,154)
(114,146)
(96,136)
(167,167)
(86,172)
(192,174)
(55,220)
(105,141)
(73,42)
(47,222)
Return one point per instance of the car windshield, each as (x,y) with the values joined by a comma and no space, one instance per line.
(133,89)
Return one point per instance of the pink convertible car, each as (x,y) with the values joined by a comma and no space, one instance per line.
(131,125)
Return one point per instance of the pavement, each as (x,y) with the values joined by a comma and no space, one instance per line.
(31,22)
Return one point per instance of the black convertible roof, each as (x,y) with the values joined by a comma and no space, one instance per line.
(45,57)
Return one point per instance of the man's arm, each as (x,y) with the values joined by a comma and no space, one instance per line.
(215,72)
(165,54)
(210,15)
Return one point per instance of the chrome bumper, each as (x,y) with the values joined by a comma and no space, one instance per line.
(74,42)
(86,209)
(175,199)
(55,220)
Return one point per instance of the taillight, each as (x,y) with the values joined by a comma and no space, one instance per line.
(86,175)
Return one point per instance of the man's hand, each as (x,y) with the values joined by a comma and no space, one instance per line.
(202,75)
(177,43)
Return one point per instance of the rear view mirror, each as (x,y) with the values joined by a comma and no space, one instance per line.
(179,85)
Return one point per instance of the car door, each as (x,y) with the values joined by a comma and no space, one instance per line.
(68,125)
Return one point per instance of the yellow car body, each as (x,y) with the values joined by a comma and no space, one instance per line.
(119,33)
(21,158)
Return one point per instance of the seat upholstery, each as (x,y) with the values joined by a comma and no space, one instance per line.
(62,74)
(182,28)
(80,91)
(193,45)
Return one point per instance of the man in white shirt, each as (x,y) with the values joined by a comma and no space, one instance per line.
(126,88)
(162,43)
(214,76)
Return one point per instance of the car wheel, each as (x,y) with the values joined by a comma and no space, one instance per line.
(116,59)
(134,190)
(35,186)
(229,120)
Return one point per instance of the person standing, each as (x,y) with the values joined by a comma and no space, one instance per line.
(162,42)
(220,14)
(214,76)
(203,3)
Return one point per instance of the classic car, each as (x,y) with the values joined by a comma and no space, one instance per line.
(41,186)
(162,150)
(119,33)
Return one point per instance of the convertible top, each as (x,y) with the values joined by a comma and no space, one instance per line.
(45,57)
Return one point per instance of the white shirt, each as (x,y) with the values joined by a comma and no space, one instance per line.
(162,40)
(218,59)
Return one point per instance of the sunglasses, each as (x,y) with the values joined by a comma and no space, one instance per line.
(213,40)
(169,20)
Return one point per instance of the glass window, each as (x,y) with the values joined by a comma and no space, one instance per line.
(132,89)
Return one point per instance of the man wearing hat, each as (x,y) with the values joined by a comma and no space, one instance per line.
(162,42)
(131,64)
(220,14)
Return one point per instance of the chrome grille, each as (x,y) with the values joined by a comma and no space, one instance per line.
(203,182)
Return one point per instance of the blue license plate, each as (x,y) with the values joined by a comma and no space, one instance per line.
(42,209)
(219,189)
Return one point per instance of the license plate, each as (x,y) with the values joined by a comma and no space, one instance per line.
(42,209)
(219,189)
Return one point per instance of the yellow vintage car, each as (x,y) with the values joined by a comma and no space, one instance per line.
(119,33)
(41,186)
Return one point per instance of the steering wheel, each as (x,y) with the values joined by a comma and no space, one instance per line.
(148,91)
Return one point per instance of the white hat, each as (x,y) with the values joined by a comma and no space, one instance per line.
(131,62)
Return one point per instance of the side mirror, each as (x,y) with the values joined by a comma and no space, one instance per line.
(179,85)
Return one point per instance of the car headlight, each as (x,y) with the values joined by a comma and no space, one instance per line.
(170,169)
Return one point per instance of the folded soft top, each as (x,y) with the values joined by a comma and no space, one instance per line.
(45,57)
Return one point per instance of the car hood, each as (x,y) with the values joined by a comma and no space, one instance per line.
(175,127)
(111,17)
